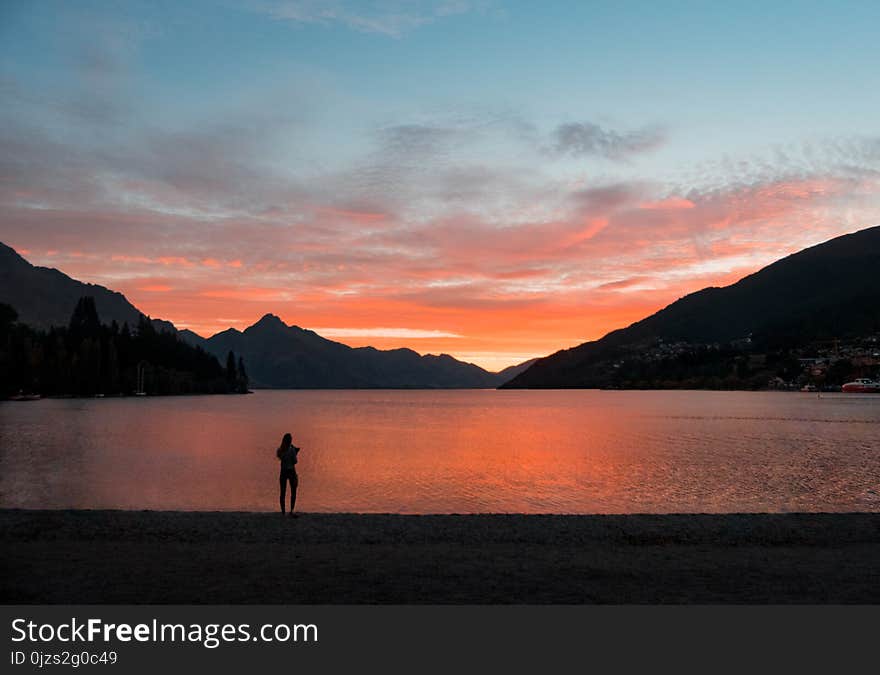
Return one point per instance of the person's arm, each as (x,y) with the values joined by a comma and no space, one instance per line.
(278,452)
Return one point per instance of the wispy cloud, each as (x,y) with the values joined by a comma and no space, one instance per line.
(586,139)
(419,140)
(392,18)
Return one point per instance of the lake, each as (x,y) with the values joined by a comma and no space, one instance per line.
(461,451)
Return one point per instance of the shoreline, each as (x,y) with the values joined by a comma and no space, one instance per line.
(187,557)
(254,390)
(29,398)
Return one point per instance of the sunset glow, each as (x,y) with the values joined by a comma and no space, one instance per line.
(400,178)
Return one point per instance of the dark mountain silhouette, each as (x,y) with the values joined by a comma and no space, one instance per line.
(291,357)
(45,297)
(276,355)
(192,338)
(828,291)
(512,371)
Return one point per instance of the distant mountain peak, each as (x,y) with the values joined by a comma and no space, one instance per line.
(285,356)
(186,332)
(268,320)
(229,331)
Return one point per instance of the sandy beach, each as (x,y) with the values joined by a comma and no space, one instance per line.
(223,557)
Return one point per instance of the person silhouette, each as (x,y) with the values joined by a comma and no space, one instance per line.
(287,453)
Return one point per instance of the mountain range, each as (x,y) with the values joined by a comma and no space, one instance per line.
(825,292)
(276,355)
(291,357)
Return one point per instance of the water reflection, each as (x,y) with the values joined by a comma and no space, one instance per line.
(449,451)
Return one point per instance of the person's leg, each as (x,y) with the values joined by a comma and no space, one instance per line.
(294,484)
(283,482)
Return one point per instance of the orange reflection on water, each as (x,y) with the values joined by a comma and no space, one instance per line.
(448,451)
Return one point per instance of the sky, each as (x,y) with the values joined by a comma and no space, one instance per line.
(494,180)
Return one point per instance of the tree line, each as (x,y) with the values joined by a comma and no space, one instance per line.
(88,358)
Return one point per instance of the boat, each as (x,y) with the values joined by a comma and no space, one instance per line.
(862,385)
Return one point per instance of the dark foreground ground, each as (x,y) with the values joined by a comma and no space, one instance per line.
(177,557)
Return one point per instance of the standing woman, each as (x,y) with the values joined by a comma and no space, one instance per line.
(287,453)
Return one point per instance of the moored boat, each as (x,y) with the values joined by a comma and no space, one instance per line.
(862,385)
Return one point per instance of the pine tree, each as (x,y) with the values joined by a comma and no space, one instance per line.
(8,316)
(242,377)
(231,374)
(85,322)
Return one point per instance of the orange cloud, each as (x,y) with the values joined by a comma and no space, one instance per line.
(356,216)
(174,260)
(247,294)
(670,204)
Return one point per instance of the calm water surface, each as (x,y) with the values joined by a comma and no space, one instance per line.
(449,452)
